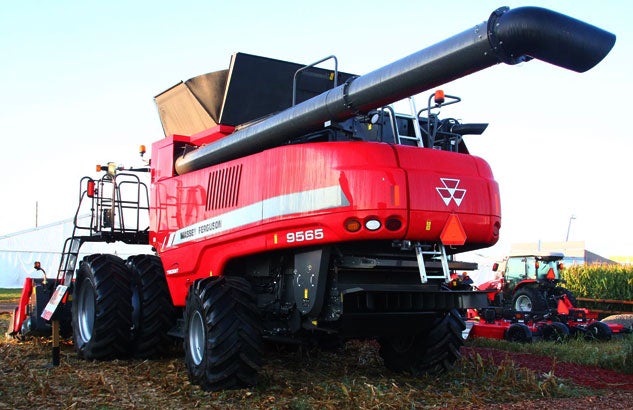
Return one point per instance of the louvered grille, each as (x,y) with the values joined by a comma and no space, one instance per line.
(224,185)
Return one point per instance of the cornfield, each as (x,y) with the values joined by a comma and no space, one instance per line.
(613,282)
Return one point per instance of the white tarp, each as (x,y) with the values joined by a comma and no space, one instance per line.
(20,250)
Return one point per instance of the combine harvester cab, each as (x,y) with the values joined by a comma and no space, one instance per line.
(292,203)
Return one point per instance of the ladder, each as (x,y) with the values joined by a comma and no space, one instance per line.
(414,133)
(437,252)
(68,262)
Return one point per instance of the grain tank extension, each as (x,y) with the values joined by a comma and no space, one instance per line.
(292,203)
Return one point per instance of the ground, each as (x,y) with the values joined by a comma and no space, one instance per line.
(353,377)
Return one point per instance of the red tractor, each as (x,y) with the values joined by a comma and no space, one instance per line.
(291,203)
(528,302)
(530,282)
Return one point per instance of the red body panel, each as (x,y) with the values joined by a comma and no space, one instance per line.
(20,310)
(299,195)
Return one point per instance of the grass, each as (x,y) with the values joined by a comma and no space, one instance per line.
(616,354)
(9,295)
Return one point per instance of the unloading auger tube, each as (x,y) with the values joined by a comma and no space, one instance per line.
(509,36)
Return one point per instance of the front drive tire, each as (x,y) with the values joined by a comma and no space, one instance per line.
(101,308)
(431,352)
(223,334)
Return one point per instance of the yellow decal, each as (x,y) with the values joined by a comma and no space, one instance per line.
(275,239)
(369,127)
(305,293)
(428,225)
(331,76)
(314,322)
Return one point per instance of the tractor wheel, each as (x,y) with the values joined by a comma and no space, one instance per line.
(223,334)
(598,331)
(519,332)
(153,314)
(555,332)
(529,300)
(101,308)
(431,352)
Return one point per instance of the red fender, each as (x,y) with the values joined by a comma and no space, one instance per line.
(20,312)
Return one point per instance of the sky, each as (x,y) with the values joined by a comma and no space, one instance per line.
(77,82)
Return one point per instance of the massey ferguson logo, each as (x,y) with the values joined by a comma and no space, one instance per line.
(450,191)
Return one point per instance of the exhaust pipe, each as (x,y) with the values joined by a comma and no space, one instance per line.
(509,36)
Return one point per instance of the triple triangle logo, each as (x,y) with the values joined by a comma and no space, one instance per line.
(450,191)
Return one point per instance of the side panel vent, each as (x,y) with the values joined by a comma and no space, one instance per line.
(224,186)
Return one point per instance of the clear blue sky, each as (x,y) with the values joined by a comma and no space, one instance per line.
(77,81)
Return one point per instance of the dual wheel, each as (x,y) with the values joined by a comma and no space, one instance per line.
(124,309)
(121,308)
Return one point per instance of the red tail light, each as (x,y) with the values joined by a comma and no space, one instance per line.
(91,189)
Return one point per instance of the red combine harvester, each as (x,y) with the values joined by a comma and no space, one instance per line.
(291,203)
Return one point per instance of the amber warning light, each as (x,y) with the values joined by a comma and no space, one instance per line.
(439,97)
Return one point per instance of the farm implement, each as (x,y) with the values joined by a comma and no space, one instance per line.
(525,327)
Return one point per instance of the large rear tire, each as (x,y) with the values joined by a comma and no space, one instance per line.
(431,352)
(101,308)
(223,334)
(153,314)
(529,300)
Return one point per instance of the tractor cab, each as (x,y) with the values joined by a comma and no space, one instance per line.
(542,268)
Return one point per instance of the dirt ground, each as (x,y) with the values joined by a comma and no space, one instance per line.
(617,388)
(613,390)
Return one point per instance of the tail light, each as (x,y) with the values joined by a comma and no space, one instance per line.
(91,189)
(352,225)
(372,224)
(393,224)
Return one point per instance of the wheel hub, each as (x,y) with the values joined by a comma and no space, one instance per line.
(197,338)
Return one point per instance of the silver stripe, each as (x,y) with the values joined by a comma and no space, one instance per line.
(298,202)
